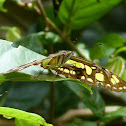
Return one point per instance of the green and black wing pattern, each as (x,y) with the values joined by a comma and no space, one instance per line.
(91,73)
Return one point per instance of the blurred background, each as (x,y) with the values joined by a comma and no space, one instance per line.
(100,37)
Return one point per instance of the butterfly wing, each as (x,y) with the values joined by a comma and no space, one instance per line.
(52,61)
(91,73)
(19,68)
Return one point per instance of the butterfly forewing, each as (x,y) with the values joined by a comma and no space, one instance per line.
(91,73)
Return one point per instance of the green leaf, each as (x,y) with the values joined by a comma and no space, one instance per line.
(98,51)
(89,123)
(87,86)
(36,41)
(11,57)
(116,65)
(114,115)
(84,51)
(106,46)
(124,75)
(33,41)
(77,88)
(94,102)
(20,122)
(52,38)
(78,122)
(35,91)
(63,102)
(80,13)
(122,49)
(1,6)
(22,115)
(123,96)
(13,34)
(113,40)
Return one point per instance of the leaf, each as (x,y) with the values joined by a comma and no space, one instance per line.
(99,50)
(33,41)
(80,13)
(77,88)
(121,49)
(64,102)
(20,122)
(22,115)
(36,41)
(106,46)
(1,6)
(124,75)
(11,57)
(79,122)
(35,93)
(116,65)
(84,51)
(94,102)
(121,112)
(52,38)
(13,34)
(123,96)
(87,86)
(89,123)
(113,40)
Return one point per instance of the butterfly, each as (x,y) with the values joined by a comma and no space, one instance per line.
(91,73)
(52,61)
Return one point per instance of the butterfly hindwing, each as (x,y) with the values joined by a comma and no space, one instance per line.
(91,73)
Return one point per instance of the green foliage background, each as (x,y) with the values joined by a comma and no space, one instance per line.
(92,29)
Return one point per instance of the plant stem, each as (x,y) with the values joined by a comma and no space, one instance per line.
(52,102)
(43,14)
(64,36)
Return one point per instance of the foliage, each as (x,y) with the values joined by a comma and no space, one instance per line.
(81,26)
(1,6)
(22,118)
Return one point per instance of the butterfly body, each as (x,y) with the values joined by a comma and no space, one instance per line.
(56,60)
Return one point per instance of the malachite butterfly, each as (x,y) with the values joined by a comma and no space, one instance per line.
(74,67)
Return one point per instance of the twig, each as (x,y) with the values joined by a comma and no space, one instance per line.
(64,36)
(43,15)
(52,100)
(74,113)
(68,25)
